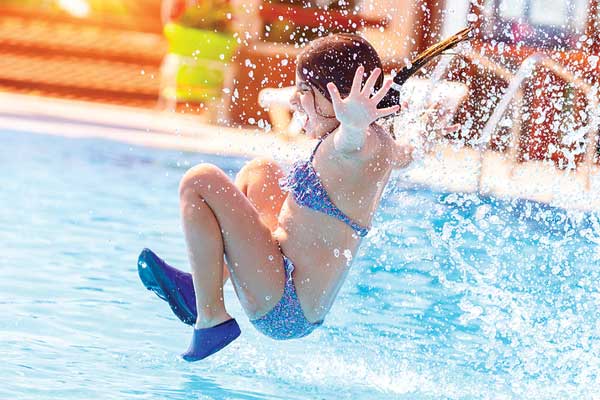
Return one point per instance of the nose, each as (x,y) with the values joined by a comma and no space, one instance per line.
(295,101)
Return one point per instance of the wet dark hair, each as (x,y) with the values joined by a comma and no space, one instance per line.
(335,58)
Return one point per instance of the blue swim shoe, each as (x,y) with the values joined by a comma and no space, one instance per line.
(210,340)
(170,284)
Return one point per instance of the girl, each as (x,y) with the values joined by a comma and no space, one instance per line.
(288,240)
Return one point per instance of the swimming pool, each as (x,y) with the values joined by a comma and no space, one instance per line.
(452,295)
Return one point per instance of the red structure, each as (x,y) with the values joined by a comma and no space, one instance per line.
(555,106)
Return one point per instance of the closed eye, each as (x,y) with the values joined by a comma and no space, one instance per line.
(303,88)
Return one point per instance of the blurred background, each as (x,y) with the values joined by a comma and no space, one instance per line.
(212,58)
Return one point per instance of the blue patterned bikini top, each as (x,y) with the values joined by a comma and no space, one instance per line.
(304,184)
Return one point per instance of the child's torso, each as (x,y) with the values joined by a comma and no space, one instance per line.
(321,244)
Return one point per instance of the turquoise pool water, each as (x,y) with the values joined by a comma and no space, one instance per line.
(452,295)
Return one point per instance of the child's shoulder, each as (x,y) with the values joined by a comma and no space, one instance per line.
(382,130)
(383,138)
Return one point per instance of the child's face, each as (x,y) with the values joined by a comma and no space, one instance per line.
(311,102)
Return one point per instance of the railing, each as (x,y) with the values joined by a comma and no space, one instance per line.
(514,91)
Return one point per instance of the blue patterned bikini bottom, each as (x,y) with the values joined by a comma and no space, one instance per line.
(286,320)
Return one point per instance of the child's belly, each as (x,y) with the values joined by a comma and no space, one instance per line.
(321,249)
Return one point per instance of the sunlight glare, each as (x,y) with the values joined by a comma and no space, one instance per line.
(77,8)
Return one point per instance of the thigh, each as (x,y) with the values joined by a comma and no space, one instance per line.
(253,256)
(259,181)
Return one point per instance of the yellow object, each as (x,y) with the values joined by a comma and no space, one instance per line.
(194,69)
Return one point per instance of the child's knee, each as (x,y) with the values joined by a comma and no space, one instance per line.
(201,178)
(255,170)
(262,169)
(258,165)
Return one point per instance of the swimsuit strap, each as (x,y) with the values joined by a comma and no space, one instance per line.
(308,191)
(312,155)
(335,212)
(327,206)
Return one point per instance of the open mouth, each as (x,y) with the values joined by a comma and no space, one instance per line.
(300,119)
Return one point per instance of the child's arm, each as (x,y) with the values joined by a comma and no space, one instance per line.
(357,111)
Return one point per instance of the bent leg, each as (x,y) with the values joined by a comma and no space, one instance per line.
(259,181)
(218,219)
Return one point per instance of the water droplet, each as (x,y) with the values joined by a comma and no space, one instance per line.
(472,17)
(348,254)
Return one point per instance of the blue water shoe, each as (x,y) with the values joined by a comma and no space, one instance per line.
(210,340)
(170,284)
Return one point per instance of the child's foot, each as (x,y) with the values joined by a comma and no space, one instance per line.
(208,341)
(170,284)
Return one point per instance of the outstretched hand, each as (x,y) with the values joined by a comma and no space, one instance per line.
(359,109)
